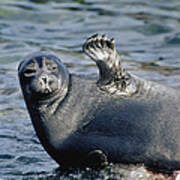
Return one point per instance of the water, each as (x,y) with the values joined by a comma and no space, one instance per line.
(147,36)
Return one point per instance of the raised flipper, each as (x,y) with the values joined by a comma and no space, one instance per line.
(112,77)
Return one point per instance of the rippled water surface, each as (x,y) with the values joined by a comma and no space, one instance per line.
(147,36)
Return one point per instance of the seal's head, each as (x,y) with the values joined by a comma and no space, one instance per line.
(42,76)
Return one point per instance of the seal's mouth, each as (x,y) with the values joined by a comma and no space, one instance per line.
(47,91)
(42,94)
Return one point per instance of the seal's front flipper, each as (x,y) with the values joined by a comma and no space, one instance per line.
(113,78)
(97,159)
(103,52)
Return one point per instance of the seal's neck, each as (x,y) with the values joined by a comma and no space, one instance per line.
(43,116)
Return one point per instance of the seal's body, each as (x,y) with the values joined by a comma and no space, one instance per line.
(121,118)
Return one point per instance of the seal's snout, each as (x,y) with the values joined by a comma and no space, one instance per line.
(47,83)
(45,80)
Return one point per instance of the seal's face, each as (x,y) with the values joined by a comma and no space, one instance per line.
(41,76)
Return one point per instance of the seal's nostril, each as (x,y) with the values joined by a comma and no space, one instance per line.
(44,79)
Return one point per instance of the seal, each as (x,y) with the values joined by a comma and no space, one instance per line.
(118,118)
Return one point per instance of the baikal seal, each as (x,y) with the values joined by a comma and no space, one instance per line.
(117,117)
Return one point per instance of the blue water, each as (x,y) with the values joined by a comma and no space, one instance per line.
(147,35)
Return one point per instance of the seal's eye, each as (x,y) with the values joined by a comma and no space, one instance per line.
(29,72)
(54,68)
